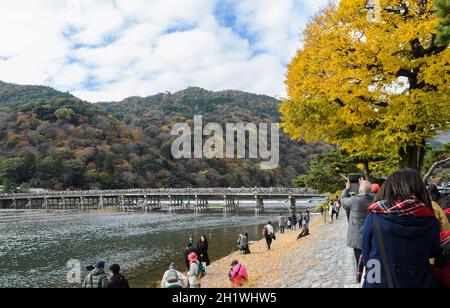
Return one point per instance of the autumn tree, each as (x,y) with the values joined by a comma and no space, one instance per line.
(372,79)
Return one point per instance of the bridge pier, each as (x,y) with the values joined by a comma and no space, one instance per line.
(176,204)
(153,203)
(259,204)
(201,204)
(101,203)
(230,204)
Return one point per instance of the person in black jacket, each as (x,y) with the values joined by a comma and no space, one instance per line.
(189,249)
(202,248)
(116,280)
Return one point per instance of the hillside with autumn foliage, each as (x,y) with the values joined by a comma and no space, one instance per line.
(50,139)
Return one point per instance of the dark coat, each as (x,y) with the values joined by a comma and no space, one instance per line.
(358,207)
(202,249)
(118,282)
(409,242)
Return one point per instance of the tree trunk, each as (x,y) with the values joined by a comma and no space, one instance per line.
(367,171)
(412,157)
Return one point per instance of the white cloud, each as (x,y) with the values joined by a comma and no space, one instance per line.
(108,50)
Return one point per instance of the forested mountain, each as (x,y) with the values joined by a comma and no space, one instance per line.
(54,140)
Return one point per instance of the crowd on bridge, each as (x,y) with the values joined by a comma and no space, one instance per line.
(172,191)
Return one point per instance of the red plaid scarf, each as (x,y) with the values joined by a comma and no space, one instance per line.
(410,207)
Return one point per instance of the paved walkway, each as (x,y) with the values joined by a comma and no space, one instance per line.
(321,260)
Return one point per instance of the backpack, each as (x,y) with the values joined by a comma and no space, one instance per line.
(264,232)
(172,277)
(201,272)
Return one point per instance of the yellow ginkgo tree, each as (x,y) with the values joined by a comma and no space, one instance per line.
(371,79)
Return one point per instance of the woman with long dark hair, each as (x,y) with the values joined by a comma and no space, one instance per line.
(401,234)
(202,248)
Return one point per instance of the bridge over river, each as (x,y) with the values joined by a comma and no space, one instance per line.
(197,200)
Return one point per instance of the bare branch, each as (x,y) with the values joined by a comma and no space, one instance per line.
(437,164)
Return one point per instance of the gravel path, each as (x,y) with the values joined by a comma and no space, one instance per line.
(321,260)
(324,261)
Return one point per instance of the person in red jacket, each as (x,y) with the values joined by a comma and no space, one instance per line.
(238,274)
(442,265)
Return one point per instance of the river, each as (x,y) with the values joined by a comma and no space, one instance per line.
(35,246)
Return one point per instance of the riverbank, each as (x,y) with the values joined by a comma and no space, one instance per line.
(320,260)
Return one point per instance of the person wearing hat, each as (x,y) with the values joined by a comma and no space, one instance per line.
(238,274)
(96,279)
(194,281)
(173,279)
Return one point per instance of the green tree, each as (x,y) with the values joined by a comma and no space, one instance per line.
(73,174)
(24,188)
(8,186)
(64,114)
(443,12)
(18,169)
(325,174)
(47,168)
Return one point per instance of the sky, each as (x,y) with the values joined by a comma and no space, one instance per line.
(107,50)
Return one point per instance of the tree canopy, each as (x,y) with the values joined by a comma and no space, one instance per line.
(371,80)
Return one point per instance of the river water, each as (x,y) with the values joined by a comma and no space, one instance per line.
(35,246)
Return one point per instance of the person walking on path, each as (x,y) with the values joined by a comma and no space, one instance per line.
(282,223)
(337,206)
(195,272)
(202,248)
(300,218)
(238,274)
(96,279)
(173,279)
(402,234)
(332,211)
(269,234)
(358,207)
(247,245)
(294,221)
(323,212)
(243,244)
(307,218)
(116,279)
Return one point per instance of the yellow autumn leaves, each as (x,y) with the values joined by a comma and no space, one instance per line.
(373,87)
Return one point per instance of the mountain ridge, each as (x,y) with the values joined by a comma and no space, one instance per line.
(52,139)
